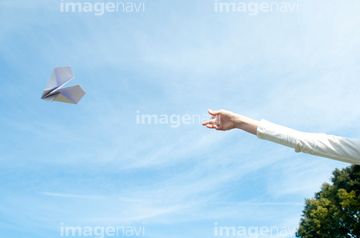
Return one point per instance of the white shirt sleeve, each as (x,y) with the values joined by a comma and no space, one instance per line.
(329,146)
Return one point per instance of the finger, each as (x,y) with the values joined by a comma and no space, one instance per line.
(205,123)
(214,113)
(211,122)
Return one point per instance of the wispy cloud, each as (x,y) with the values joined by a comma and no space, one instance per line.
(62,195)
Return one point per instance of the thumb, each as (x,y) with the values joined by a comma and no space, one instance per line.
(214,113)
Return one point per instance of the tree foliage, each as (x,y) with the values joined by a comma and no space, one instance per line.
(335,210)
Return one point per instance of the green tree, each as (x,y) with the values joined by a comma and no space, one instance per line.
(335,210)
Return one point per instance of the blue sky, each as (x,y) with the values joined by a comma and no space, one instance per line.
(91,164)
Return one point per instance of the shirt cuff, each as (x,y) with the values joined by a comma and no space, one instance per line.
(278,134)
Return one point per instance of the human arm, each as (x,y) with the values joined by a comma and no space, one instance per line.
(329,146)
(319,144)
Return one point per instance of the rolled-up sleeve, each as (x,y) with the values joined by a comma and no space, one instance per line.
(329,146)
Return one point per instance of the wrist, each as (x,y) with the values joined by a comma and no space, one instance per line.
(239,121)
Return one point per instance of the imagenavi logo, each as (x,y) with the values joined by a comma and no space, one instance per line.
(253,231)
(254,8)
(101,231)
(100,8)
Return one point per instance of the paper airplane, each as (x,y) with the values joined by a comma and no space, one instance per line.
(54,92)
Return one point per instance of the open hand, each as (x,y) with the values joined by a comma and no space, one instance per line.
(222,120)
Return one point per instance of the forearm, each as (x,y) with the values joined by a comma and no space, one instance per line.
(246,124)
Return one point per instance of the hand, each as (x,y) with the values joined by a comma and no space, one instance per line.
(222,120)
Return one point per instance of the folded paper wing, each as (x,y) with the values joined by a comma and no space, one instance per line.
(54,92)
(71,94)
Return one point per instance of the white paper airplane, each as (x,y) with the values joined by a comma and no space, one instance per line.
(54,92)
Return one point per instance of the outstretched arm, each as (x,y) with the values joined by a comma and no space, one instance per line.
(329,146)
